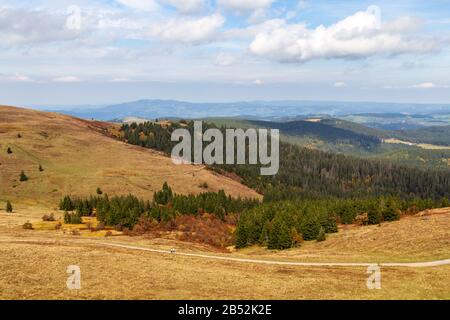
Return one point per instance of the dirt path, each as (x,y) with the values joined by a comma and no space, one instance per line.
(427,264)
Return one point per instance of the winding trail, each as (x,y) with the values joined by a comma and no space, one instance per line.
(427,264)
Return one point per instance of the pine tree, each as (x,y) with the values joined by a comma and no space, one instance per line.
(9,207)
(67,218)
(241,235)
(23,177)
(374,214)
(280,235)
(391,212)
(9,151)
(310,229)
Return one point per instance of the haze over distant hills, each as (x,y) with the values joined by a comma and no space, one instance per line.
(251,110)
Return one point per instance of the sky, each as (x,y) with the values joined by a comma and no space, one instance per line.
(90,52)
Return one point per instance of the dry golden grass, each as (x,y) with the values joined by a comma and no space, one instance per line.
(78,157)
(38,271)
(34,262)
(412,239)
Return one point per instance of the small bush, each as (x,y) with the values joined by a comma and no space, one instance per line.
(49,217)
(374,216)
(23,177)
(76,232)
(27,226)
(9,207)
(99,191)
(9,151)
(40,168)
(203,185)
(108,234)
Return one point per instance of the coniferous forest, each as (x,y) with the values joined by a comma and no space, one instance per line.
(312,193)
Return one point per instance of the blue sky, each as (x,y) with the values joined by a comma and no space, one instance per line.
(59,52)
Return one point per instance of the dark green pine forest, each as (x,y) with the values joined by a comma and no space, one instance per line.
(312,193)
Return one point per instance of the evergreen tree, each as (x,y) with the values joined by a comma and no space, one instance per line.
(391,211)
(67,218)
(9,207)
(280,235)
(310,228)
(241,235)
(374,214)
(9,151)
(23,177)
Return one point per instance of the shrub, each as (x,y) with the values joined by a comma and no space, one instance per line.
(49,217)
(76,232)
(9,207)
(9,151)
(108,233)
(391,212)
(310,229)
(23,177)
(27,226)
(40,168)
(72,218)
(280,235)
(99,191)
(374,215)
(203,185)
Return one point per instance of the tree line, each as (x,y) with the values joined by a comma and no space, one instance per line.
(125,211)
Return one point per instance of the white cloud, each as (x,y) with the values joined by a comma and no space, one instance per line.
(429,85)
(120,80)
(357,36)
(187,6)
(23,26)
(425,85)
(67,79)
(144,5)
(225,59)
(244,5)
(340,84)
(17,77)
(188,30)
(258,82)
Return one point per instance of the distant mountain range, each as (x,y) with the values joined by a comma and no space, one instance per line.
(256,110)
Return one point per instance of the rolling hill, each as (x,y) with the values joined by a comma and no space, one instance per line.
(77,156)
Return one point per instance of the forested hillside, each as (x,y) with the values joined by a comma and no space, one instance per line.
(326,131)
(439,135)
(306,173)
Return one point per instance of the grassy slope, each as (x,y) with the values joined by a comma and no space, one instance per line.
(77,158)
(118,273)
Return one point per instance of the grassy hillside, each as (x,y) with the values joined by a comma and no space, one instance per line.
(136,274)
(77,157)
